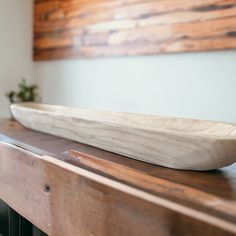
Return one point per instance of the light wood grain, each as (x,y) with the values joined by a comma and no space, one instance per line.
(62,199)
(171,142)
(134,27)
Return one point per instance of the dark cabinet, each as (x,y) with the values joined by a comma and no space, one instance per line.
(13,224)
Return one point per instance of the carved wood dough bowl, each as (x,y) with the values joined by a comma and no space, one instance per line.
(177,143)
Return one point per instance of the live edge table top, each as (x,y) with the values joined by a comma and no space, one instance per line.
(212,192)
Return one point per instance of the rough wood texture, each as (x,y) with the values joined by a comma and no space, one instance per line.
(88,28)
(155,185)
(171,142)
(71,200)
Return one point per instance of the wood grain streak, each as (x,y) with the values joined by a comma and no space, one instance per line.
(135,27)
(163,187)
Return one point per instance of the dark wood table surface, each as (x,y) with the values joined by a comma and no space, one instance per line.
(211,193)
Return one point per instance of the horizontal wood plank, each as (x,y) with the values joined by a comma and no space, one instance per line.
(64,29)
(198,202)
(64,200)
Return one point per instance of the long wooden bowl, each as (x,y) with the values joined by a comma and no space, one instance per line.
(177,143)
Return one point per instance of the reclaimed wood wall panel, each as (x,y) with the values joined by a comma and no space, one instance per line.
(91,28)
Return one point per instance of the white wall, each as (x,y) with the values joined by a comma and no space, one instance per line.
(198,85)
(15,47)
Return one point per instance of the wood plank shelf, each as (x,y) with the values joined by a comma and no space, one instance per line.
(67,188)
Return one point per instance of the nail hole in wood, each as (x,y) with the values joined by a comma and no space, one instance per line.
(47,188)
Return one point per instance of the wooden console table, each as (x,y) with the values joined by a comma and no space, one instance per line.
(68,189)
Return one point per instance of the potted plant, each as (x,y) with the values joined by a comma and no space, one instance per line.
(26,93)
